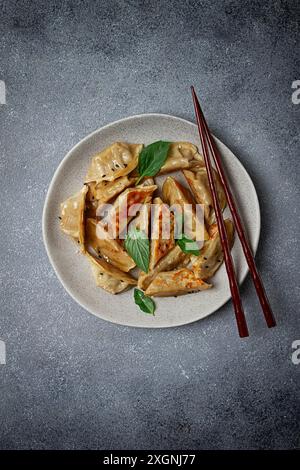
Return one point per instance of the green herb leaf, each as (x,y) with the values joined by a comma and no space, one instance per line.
(152,158)
(188,246)
(138,247)
(145,303)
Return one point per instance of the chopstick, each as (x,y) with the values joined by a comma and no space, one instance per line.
(237,303)
(206,136)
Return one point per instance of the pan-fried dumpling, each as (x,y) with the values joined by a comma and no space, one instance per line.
(199,184)
(104,191)
(162,232)
(109,277)
(117,160)
(123,209)
(107,282)
(176,194)
(181,281)
(181,155)
(72,215)
(211,256)
(98,239)
(174,259)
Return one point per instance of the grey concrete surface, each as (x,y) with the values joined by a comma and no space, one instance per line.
(72,380)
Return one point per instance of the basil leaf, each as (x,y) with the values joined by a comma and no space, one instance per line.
(152,158)
(138,247)
(145,303)
(188,246)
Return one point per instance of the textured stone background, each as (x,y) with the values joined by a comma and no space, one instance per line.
(72,380)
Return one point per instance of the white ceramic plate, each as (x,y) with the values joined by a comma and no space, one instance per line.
(74,271)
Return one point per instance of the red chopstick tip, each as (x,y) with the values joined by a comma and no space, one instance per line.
(271,322)
(245,334)
(242,325)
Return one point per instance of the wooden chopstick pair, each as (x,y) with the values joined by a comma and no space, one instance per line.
(209,148)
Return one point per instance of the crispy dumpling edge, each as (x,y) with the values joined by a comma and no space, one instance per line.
(192,283)
(81,208)
(111,270)
(205,260)
(127,262)
(114,173)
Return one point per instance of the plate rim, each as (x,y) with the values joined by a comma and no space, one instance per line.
(46,205)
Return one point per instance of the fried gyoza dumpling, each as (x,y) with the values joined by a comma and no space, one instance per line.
(180,155)
(112,251)
(107,282)
(181,281)
(117,160)
(104,191)
(123,209)
(72,215)
(174,259)
(211,256)
(109,277)
(162,232)
(199,184)
(176,194)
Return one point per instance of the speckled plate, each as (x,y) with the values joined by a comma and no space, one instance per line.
(74,271)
